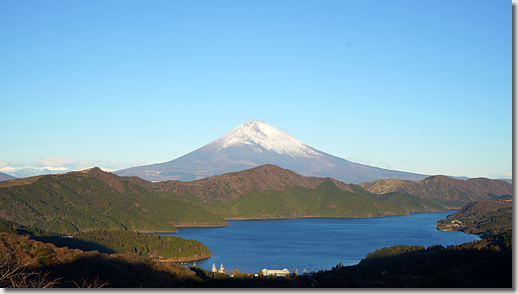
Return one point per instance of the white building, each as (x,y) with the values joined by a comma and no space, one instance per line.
(277,273)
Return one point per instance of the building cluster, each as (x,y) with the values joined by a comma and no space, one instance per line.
(456,223)
(266,272)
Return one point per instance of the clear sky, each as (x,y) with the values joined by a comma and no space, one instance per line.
(418,86)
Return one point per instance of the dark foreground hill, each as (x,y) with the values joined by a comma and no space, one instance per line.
(482,264)
(487,263)
(27,263)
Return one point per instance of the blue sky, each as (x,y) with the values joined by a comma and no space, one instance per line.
(418,86)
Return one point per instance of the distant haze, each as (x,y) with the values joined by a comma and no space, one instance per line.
(255,143)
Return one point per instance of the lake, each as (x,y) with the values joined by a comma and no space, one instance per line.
(314,244)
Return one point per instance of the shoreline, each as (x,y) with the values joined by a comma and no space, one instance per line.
(193,225)
(186,259)
(344,217)
(311,216)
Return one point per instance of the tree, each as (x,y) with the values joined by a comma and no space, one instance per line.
(13,269)
(260,274)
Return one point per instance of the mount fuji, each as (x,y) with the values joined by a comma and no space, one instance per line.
(255,143)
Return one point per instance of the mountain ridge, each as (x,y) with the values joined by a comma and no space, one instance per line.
(441,189)
(261,178)
(6,177)
(450,189)
(94,199)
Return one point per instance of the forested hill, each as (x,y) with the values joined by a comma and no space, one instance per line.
(441,190)
(483,217)
(93,199)
(231,186)
(452,193)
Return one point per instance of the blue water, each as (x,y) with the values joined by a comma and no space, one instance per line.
(314,244)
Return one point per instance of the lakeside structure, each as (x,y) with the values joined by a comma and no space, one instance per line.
(221,269)
(277,273)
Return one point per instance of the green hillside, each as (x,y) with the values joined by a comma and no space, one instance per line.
(169,247)
(79,201)
(413,203)
(327,200)
(97,200)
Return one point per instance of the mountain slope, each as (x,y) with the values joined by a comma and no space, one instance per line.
(444,190)
(93,199)
(483,217)
(31,172)
(439,191)
(230,186)
(326,200)
(269,191)
(255,143)
(4,177)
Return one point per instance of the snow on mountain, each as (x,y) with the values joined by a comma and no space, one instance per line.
(255,143)
(263,135)
(31,172)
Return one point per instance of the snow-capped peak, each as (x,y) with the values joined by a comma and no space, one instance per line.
(266,136)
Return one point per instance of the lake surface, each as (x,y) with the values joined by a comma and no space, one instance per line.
(314,243)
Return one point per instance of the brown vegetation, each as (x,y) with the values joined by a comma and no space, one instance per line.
(26,263)
(480,207)
(230,186)
(484,217)
(444,188)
